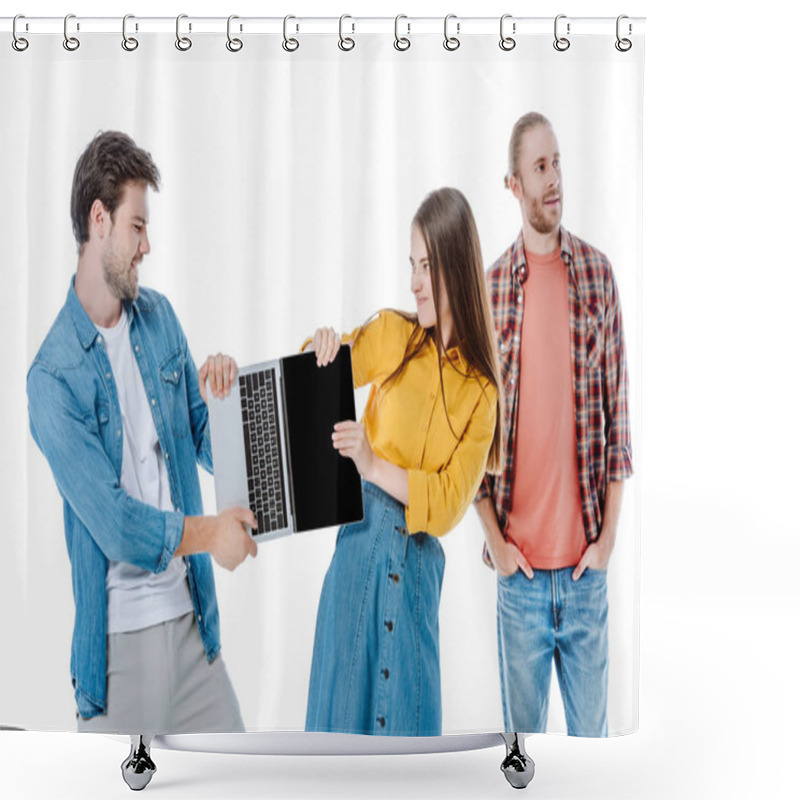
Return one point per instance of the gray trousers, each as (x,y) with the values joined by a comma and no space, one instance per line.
(160,682)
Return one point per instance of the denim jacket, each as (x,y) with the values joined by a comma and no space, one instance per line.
(75,420)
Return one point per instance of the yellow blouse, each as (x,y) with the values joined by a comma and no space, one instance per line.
(406,422)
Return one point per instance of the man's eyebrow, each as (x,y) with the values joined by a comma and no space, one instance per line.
(140,219)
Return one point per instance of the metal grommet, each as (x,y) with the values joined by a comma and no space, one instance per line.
(234,45)
(290,44)
(506,42)
(561,43)
(183,43)
(128,42)
(19,43)
(71,43)
(623,45)
(345,42)
(451,42)
(401,43)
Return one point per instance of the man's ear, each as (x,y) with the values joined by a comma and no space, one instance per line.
(99,220)
(515,186)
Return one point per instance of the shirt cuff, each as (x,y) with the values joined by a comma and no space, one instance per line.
(417,510)
(484,490)
(619,463)
(173,533)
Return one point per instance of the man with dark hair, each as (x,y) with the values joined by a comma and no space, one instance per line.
(550,517)
(118,408)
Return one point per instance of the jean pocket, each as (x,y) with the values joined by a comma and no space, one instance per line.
(506,578)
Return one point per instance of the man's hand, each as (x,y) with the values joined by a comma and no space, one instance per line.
(220,371)
(507,559)
(596,556)
(230,544)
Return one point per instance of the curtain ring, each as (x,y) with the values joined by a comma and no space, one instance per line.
(401,43)
(71,43)
(561,43)
(233,44)
(19,43)
(289,44)
(183,43)
(623,45)
(128,42)
(345,42)
(506,42)
(451,42)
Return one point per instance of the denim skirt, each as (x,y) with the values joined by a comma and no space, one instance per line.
(375,667)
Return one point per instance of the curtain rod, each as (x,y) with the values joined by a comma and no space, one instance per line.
(330,25)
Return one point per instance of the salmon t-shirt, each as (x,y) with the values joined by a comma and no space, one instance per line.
(545,521)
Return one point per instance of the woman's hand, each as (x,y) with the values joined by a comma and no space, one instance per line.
(350,439)
(325,344)
(220,371)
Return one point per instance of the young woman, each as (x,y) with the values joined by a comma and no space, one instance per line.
(430,430)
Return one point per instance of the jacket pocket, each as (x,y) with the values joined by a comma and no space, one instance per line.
(173,384)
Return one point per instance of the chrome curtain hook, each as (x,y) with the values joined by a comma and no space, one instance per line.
(290,44)
(345,42)
(183,43)
(451,42)
(623,45)
(234,45)
(561,43)
(506,42)
(71,43)
(401,43)
(19,43)
(128,42)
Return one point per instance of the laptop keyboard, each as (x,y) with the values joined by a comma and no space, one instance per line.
(262,446)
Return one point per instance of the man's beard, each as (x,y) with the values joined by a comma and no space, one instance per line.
(119,277)
(538,218)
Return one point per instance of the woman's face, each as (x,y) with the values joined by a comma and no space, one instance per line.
(421,285)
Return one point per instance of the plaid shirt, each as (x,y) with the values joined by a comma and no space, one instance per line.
(599,374)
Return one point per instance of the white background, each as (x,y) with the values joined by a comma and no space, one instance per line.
(289,181)
(720,604)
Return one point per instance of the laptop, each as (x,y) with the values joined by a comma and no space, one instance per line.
(272,448)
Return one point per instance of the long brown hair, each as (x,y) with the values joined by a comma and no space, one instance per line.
(448,229)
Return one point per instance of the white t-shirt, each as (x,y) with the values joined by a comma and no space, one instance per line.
(138,598)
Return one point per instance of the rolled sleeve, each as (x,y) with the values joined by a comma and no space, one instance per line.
(617,434)
(438,500)
(485,489)
(619,463)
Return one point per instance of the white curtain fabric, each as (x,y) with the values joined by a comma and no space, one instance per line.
(289,183)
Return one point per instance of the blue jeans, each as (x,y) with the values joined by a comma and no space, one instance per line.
(553,618)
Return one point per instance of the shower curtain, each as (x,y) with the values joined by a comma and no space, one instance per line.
(289,181)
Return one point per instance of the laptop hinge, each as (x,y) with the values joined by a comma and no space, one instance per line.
(289,479)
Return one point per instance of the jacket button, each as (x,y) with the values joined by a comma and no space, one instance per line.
(389,626)
(395,577)
(385,674)
(382,722)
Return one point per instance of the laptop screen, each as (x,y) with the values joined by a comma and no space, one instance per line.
(327,486)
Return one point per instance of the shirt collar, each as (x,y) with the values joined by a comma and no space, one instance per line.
(454,355)
(84,327)
(518,266)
